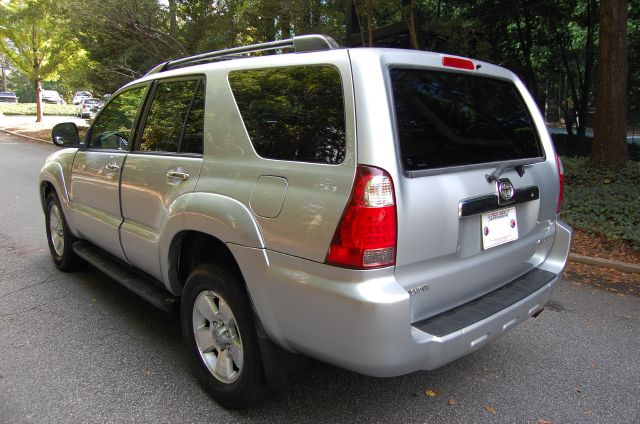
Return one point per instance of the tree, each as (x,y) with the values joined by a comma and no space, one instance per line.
(572,29)
(3,69)
(124,38)
(609,145)
(36,40)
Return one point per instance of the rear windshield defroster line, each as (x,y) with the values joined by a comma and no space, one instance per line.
(449,119)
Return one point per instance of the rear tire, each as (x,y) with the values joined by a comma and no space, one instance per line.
(219,331)
(59,237)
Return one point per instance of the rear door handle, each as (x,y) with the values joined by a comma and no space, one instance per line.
(112,167)
(177,174)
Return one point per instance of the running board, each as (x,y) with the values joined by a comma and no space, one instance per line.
(123,274)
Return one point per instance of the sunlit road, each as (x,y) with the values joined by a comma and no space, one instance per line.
(79,348)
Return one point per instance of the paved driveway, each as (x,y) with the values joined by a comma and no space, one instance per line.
(29,120)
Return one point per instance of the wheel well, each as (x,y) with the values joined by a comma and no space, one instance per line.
(45,189)
(191,248)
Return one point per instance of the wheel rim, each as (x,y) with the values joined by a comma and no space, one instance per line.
(56,229)
(217,337)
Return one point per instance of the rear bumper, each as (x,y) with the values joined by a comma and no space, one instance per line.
(361,320)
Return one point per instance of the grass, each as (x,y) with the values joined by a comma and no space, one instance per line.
(603,202)
(30,109)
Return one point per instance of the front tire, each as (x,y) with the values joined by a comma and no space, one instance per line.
(59,237)
(218,329)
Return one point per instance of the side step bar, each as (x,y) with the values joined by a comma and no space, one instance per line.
(137,283)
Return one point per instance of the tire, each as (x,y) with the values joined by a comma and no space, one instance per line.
(218,329)
(59,237)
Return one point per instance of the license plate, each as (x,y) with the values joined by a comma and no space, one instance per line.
(499,227)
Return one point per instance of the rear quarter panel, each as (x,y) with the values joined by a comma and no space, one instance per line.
(315,193)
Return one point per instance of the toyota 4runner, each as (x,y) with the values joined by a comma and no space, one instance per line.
(382,210)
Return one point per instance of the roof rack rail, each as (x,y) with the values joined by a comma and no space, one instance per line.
(300,43)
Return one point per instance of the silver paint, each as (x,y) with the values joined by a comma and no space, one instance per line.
(278,219)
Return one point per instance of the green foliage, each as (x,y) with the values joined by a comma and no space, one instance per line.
(30,109)
(601,201)
(35,37)
(123,39)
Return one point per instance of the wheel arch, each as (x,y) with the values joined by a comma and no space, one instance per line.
(46,188)
(54,176)
(200,226)
(191,248)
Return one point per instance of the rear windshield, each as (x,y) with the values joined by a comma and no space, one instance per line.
(447,119)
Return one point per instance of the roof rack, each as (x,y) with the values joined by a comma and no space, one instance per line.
(300,43)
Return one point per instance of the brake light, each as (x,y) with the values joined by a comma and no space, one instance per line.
(366,235)
(561,178)
(457,62)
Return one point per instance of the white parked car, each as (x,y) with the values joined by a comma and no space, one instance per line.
(87,107)
(81,95)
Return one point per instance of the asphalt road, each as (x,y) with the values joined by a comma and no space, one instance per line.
(79,348)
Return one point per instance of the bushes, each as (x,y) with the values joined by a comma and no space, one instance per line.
(30,109)
(601,201)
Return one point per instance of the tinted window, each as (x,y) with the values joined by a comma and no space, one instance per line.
(176,114)
(194,127)
(112,128)
(293,113)
(448,119)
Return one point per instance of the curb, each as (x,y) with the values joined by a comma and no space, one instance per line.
(604,263)
(25,136)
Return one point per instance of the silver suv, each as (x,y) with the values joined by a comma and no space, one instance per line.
(382,210)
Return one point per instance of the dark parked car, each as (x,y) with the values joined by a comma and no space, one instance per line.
(8,97)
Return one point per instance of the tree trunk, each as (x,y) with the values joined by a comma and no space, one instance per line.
(524,30)
(4,74)
(369,23)
(609,145)
(409,14)
(37,79)
(38,90)
(583,109)
(173,19)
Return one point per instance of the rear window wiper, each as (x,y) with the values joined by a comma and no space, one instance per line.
(500,169)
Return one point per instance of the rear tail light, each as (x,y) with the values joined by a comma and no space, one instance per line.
(366,235)
(561,178)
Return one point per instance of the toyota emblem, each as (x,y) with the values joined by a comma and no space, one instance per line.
(505,188)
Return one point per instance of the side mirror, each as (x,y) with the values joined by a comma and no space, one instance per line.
(65,134)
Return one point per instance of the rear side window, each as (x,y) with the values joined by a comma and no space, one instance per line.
(293,113)
(176,118)
(448,119)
